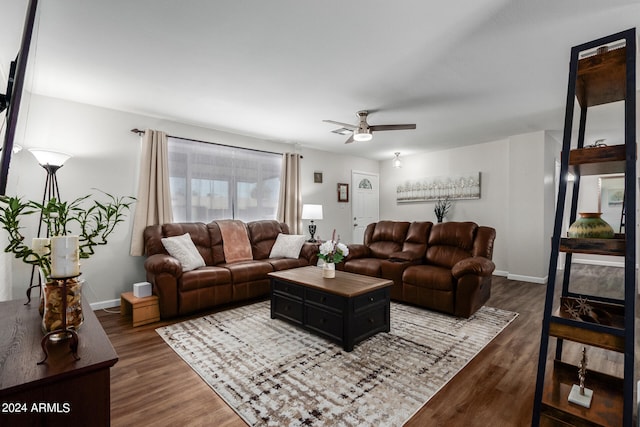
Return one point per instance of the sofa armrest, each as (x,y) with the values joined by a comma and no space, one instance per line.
(480,266)
(404,256)
(357,250)
(309,252)
(162,263)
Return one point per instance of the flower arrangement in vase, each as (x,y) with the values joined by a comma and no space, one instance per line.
(332,252)
(75,230)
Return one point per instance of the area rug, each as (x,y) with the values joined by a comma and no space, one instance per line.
(276,374)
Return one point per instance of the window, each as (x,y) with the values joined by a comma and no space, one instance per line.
(212,181)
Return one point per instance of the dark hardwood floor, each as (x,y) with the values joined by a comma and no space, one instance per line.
(151,385)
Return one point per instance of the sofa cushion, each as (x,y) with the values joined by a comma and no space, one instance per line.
(387,237)
(235,241)
(450,242)
(366,266)
(204,277)
(263,235)
(248,271)
(429,276)
(287,246)
(416,239)
(287,263)
(183,249)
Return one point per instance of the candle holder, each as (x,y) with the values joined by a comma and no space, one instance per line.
(62,330)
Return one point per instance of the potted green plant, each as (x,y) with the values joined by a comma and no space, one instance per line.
(91,220)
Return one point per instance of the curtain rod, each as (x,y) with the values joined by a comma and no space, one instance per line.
(141,132)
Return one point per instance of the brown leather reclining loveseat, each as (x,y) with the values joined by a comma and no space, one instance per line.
(217,282)
(445,267)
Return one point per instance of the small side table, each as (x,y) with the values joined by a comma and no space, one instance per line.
(144,310)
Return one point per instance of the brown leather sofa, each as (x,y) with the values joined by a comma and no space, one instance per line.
(445,267)
(218,282)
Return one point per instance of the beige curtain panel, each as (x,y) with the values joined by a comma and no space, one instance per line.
(154,198)
(290,203)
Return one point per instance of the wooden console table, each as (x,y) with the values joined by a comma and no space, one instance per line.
(62,391)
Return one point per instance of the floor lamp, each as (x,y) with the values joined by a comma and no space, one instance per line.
(51,161)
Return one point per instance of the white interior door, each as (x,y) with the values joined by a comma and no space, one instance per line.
(365,205)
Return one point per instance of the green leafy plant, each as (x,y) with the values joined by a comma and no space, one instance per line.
(92,220)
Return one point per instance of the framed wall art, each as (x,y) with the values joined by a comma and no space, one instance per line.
(343,192)
(317,177)
(456,187)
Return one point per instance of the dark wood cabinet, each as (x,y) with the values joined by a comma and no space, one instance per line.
(62,391)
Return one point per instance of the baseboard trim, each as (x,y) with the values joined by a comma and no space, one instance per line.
(105,304)
(598,262)
(500,273)
(531,279)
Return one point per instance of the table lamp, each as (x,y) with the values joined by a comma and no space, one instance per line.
(312,212)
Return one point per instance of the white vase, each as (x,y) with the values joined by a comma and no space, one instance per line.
(328,270)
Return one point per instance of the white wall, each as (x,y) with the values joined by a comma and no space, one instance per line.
(335,169)
(106,156)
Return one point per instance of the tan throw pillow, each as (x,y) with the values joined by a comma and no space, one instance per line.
(182,248)
(287,246)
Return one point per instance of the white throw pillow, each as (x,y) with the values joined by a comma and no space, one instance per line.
(182,248)
(287,246)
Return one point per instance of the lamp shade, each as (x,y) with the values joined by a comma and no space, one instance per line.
(311,211)
(48,157)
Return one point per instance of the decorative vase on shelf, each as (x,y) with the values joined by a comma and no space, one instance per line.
(590,226)
(328,270)
(52,318)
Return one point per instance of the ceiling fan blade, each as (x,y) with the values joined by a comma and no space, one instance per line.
(344,125)
(350,140)
(392,127)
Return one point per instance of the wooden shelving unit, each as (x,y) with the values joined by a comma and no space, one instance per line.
(600,77)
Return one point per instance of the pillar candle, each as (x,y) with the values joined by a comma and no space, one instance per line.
(64,256)
(39,245)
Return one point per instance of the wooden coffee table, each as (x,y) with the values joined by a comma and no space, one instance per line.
(348,308)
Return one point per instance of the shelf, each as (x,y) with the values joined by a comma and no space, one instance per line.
(614,247)
(607,76)
(606,406)
(602,326)
(598,160)
(601,78)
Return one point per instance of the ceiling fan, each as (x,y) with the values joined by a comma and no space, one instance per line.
(363,131)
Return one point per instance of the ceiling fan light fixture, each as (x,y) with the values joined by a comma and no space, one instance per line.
(397,163)
(361,135)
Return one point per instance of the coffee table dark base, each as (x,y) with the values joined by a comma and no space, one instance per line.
(346,320)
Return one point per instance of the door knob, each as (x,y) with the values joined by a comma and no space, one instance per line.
(355,225)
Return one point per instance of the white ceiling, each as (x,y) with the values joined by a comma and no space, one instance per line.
(465,71)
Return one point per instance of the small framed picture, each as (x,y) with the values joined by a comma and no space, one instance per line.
(343,192)
(317,177)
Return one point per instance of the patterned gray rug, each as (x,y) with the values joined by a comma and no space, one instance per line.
(275,374)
